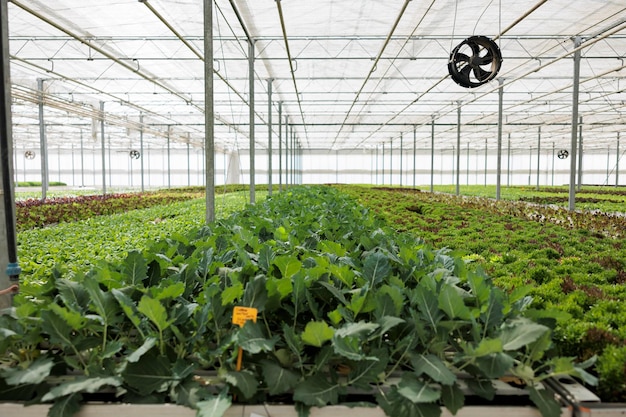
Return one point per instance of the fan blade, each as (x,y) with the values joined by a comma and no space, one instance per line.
(461,57)
(481,74)
(487,59)
(465,72)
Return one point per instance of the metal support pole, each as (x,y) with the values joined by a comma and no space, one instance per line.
(269,136)
(141,152)
(414,153)
(499,151)
(43,145)
(82,159)
(188,164)
(538,153)
(251,108)
(467,164)
(553,149)
(391,162)
(580,153)
(575,94)
(288,130)
(530,163)
(376,165)
(383,171)
(401,155)
(8,241)
(209,113)
(617,163)
(432,154)
(280,145)
(458,146)
(508,162)
(169,164)
(104,174)
(485,164)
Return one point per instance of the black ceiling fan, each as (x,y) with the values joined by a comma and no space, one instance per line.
(474,62)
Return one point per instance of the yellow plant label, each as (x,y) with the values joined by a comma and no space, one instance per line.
(242,314)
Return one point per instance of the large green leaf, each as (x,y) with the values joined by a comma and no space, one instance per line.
(434,367)
(251,339)
(34,374)
(348,347)
(288,265)
(128,307)
(55,327)
(215,407)
(495,365)
(316,333)
(520,332)
(452,303)
(151,373)
(244,381)
(81,384)
(278,379)
(266,257)
(73,294)
(375,269)
(134,268)
(452,397)
(545,402)
(317,391)
(148,344)
(154,311)
(394,404)
(103,302)
(416,390)
(66,406)
(425,301)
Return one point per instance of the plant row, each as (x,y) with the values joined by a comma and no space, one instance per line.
(80,245)
(573,262)
(343,305)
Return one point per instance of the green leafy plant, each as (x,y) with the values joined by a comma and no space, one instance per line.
(345,305)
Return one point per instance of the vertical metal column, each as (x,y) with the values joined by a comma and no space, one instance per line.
(43,145)
(530,163)
(575,94)
(73,181)
(288,129)
(432,154)
(414,153)
(467,164)
(169,164)
(580,153)
(251,108)
(508,162)
(383,170)
(280,146)
(82,159)
(141,152)
(269,136)
(188,164)
(209,113)
(499,151)
(8,240)
(553,149)
(617,163)
(376,176)
(458,146)
(401,156)
(538,153)
(486,155)
(391,162)
(104,175)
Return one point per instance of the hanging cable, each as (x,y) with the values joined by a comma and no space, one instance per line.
(293,73)
(372,69)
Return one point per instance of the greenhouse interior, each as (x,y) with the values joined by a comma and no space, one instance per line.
(444,109)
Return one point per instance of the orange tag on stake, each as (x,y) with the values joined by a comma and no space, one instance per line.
(240,316)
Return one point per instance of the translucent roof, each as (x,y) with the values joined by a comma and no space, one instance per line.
(361,73)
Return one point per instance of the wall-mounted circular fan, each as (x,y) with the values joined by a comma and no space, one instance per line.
(134,154)
(475,61)
(29,155)
(562,154)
